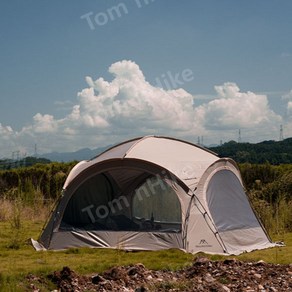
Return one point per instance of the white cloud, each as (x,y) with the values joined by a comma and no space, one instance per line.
(5,131)
(7,140)
(289,108)
(63,105)
(109,112)
(130,101)
(44,124)
(234,109)
(288,95)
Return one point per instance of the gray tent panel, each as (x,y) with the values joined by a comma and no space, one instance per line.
(119,240)
(228,204)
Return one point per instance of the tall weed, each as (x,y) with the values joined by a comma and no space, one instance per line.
(15,222)
(275,216)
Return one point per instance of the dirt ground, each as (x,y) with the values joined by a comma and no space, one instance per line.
(203,275)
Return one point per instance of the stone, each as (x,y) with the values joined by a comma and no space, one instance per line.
(201,260)
(208,278)
(97,279)
(259,276)
(229,261)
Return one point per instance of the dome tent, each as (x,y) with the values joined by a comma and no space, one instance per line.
(154,193)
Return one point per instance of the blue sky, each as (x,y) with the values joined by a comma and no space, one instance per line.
(222,65)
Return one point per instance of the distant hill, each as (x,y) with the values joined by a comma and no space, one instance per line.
(82,154)
(274,152)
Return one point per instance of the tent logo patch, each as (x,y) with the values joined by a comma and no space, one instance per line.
(203,243)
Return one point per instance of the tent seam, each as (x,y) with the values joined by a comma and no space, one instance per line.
(137,142)
(215,231)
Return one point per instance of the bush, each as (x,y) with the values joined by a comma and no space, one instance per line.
(269,188)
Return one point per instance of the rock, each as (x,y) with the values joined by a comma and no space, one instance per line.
(201,260)
(141,289)
(259,276)
(132,271)
(107,285)
(229,261)
(208,278)
(225,288)
(97,279)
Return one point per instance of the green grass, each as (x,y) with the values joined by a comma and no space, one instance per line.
(18,258)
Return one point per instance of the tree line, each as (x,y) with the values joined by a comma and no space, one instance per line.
(273,152)
(43,181)
(268,186)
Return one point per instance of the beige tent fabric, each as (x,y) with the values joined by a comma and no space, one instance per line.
(215,215)
(182,159)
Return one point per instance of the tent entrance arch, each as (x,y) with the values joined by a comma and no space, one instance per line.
(110,201)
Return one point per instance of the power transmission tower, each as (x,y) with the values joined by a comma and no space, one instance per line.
(199,141)
(239,136)
(17,158)
(15,161)
(281,133)
(35,151)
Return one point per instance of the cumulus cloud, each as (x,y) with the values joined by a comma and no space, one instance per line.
(110,111)
(5,131)
(130,101)
(288,97)
(234,109)
(7,139)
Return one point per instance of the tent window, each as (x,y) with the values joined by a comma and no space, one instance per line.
(156,206)
(228,203)
(98,204)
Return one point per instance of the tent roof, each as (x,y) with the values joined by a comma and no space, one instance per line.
(186,160)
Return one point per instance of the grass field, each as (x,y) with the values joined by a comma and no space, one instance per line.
(18,258)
